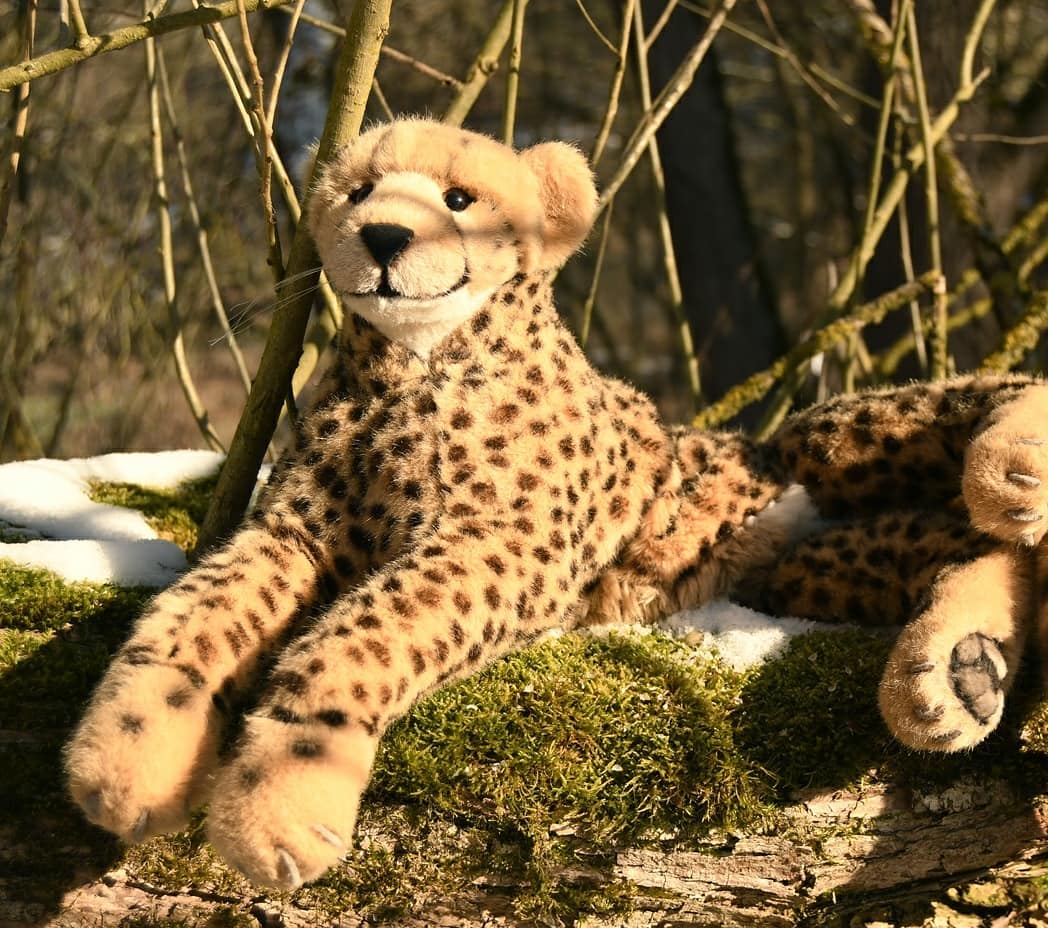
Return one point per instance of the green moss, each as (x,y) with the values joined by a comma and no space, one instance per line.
(10,535)
(610,737)
(173,514)
(38,599)
(58,639)
(810,718)
(576,742)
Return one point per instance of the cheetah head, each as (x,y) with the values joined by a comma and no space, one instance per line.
(418,223)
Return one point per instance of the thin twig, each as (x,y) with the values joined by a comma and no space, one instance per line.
(596,29)
(482,67)
(263,145)
(888,101)
(663,105)
(660,24)
(1001,139)
(178,351)
(591,295)
(973,39)
(387,110)
(19,122)
(282,60)
(906,255)
(669,257)
(203,245)
(78,23)
(940,334)
(815,69)
(615,90)
(756,386)
(802,70)
(63,58)
(226,59)
(387,50)
(516,44)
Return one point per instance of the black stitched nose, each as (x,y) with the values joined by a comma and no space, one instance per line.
(385,240)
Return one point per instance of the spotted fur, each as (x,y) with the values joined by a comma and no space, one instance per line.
(463,483)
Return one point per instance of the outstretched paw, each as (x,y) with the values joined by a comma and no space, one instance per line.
(138,763)
(1005,481)
(283,810)
(936,699)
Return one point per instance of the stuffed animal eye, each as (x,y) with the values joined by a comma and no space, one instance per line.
(457,199)
(361,193)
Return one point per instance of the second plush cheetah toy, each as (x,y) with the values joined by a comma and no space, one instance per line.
(465,480)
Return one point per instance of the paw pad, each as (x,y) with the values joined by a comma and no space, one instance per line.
(976,671)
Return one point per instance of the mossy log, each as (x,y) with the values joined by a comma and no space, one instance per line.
(881,856)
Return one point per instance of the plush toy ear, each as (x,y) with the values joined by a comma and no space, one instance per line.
(569,198)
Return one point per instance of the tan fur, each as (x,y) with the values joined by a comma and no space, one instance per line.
(919,698)
(465,481)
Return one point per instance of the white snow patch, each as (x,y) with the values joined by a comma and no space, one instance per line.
(139,562)
(742,637)
(80,539)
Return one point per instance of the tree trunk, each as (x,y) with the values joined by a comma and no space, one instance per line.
(728,300)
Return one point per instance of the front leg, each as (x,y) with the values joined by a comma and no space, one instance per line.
(140,760)
(284,808)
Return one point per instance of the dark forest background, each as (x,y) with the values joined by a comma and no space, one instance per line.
(759,185)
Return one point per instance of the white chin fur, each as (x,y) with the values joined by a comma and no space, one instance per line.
(418,324)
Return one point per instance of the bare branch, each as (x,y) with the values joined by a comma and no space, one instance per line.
(667,99)
(509,113)
(669,257)
(612,108)
(263,145)
(59,60)
(754,388)
(285,54)
(19,122)
(483,66)
(388,51)
(940,333)
(203,245)
(178,351)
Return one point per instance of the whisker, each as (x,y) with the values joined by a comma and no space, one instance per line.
(255,308)
(299,276)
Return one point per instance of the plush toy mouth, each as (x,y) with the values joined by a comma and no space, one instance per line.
(385,289)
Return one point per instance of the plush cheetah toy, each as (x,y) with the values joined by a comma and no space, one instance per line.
(465,481)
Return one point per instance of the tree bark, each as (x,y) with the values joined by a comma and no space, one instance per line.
(884,854)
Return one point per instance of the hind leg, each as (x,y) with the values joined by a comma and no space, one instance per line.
(1005,480)
(964,599)
(947,677)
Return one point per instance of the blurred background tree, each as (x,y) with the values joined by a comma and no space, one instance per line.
(746,228)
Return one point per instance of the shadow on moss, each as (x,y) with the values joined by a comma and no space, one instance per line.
(810,718)
(46,676)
